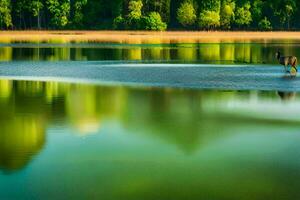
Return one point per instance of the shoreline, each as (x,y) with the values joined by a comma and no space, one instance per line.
(140,37)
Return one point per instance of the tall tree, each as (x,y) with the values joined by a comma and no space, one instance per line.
(213,5)
(284,11)
(60,11)
(135,14)
(161,6)
(100,14)
(227,13)
(289,11)
(154,22)
(186,14)
(5,14)
(209,19)
(77,12)
(257,11)
(243,15)
(35,7)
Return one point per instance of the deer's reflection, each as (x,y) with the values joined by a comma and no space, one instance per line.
(286,96)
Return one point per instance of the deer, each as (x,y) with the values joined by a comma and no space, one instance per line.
(286,61)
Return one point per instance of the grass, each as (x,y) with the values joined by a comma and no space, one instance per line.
(140,37)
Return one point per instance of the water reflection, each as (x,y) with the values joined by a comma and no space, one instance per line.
(287,96)
(194,52)
(145,143)
(186,119)
(21,137)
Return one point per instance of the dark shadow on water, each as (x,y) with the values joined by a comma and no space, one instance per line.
(286,96)
(289,77)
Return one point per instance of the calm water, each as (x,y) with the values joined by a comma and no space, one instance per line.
(227,53)
(72,140)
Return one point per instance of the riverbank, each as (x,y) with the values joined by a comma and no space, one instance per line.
(140,37)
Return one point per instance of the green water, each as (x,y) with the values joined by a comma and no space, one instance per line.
(256,52)
(70,140)
(77,141)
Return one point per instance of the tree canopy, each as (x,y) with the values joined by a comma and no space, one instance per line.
(138,14)
(209,19)
(186,14)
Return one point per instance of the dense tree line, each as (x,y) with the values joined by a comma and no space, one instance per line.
(150,14)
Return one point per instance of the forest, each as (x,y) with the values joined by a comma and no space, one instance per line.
(264,15)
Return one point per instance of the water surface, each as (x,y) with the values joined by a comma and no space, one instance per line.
(103,124)
(234,52)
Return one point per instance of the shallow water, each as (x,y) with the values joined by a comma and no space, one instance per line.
(200,76)
(128,130)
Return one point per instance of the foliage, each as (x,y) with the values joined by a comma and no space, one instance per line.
(134,18)
(265,25)
(285,9)
(135,10)
(213,5)
(5,16)
(257,10)
(100,14)
(60,10)
(163,7)
(36,6)
(289,10)
(227,14)
(154,22)
(119,23)
(209,19)
(186,14)
(78,15)
(243,15)
(103,14)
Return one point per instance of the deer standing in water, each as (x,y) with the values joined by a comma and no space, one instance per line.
(286,61)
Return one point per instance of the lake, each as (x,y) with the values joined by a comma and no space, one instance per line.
(148,121)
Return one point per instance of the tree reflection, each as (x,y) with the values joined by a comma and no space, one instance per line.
(22,123)
(5,89)
(86,105)
(186,119)
(6,54)
(232,52)
(20,139)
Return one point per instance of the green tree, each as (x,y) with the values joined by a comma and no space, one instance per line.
(154,22)
(284,10)
(288,13)
(19,10)
(100,14)
(265,24)
(257,10)
(119,23)
(213,5)
(135,10)
(243,15)
(160,6)
(78,15)
(227,14)
(5,14)
(35,6)
(186,14)
(103,14)
(135,14)
(60,11)
(209,19)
